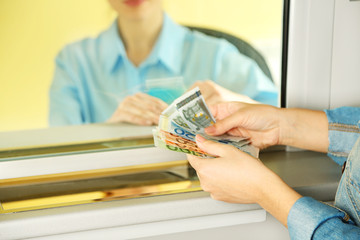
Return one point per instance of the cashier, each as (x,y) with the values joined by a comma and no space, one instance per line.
(103,79)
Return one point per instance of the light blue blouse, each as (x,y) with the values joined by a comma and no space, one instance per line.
(94,75)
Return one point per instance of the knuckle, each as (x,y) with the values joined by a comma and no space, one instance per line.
(205,187)
(215,197)
(200,171)
(199,84)
(135,119)
(128,100)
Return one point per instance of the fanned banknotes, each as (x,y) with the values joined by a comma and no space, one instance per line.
(183,119)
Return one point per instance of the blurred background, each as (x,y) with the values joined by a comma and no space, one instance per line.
(33,32)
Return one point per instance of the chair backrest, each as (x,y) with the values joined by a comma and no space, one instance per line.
(243,47)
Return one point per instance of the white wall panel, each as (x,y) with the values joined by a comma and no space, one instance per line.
(310,51)
(345,84)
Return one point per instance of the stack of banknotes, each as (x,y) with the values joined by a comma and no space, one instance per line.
(186,117)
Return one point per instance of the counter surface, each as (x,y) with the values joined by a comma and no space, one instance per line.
(311,174)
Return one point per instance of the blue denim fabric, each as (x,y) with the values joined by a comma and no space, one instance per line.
(348,194)
(310,219)
(343,132)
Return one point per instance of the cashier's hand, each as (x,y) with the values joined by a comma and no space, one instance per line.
(140,109)
(214,93)
(260,123)
(234,176)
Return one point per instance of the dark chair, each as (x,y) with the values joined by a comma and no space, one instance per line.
(243,47)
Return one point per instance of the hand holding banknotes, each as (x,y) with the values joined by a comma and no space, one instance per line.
(259,123)
(237,177)
(140,109)
(233,176)
(224,152)
(265,125)
(187,116)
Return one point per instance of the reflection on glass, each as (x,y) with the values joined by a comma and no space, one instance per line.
(32,40)
(8,153)
(166,89)
(69,62)
(103,79)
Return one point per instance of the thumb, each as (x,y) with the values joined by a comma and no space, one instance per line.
(214,148)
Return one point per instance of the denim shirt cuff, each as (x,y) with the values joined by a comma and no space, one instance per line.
(306,216)
(343,132)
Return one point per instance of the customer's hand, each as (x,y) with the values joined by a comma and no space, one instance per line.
(234,176)
(259,123)
(214,93)
(140,109)
(266,125)
(237,177)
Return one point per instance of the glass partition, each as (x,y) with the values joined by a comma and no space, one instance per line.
(46,62)
(35,33)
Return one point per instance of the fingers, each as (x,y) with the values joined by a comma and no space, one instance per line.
(206,88)
(151,103)
(140,109)
(216,110)
(224,125)
(238,132)
(214,148)
(224,109)
(194,161)
(213,99)
(135,110)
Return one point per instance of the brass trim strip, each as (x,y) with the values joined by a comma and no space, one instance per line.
(21,152)
(140,189)
(90,173)
(84,142)
(99,196)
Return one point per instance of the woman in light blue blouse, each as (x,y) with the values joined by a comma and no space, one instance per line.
(104,78)
(237,177)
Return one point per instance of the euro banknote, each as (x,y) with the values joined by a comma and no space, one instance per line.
(188,116)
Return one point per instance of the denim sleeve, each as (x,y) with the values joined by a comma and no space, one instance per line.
(343,132)
(310,219)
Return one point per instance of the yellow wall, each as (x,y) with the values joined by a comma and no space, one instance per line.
(32,32)
(250,19)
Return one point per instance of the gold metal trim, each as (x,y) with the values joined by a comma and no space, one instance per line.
(136,189)
(91,197)
(91,173)
(83,142)
(51,149)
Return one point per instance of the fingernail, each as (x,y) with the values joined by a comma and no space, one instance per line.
(200,138)
(210,129)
